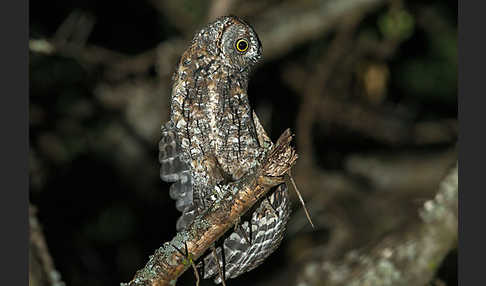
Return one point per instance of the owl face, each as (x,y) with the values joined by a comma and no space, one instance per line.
(240,44)
(232,41)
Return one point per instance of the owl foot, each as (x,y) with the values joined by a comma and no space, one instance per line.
(241,230)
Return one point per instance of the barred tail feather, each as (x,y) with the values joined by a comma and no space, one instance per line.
(267,224)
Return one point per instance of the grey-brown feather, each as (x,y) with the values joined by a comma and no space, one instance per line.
(268,225)
(175,170)
(213,138)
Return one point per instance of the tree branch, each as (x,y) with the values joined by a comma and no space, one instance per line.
(41,267)
(410,255)
(167,264)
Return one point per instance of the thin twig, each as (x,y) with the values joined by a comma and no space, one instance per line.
(195,272)
(300,199)
(221,275)
(189,260)
(41,266)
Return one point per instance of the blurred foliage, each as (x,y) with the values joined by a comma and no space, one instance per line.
(396,24)
(433,75)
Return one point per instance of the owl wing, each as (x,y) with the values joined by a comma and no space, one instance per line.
(264,230)
(175,170)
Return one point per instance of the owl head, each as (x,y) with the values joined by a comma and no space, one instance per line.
(233,41)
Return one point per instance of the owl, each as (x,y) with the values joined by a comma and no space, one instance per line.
(214,138)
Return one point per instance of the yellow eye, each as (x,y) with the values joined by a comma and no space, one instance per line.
(241,45)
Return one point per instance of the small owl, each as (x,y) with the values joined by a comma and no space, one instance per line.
(213,138)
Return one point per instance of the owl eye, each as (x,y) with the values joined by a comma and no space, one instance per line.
(241,45)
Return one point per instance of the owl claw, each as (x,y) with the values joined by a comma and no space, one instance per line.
(274,211)
(242,231)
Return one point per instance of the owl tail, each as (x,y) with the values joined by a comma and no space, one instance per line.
(266,230)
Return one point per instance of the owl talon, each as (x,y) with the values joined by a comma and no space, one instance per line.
(273,210)
(242,231)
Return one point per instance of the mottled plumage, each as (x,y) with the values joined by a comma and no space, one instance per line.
(213,138)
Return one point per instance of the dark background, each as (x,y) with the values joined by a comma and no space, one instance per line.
(370,91)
